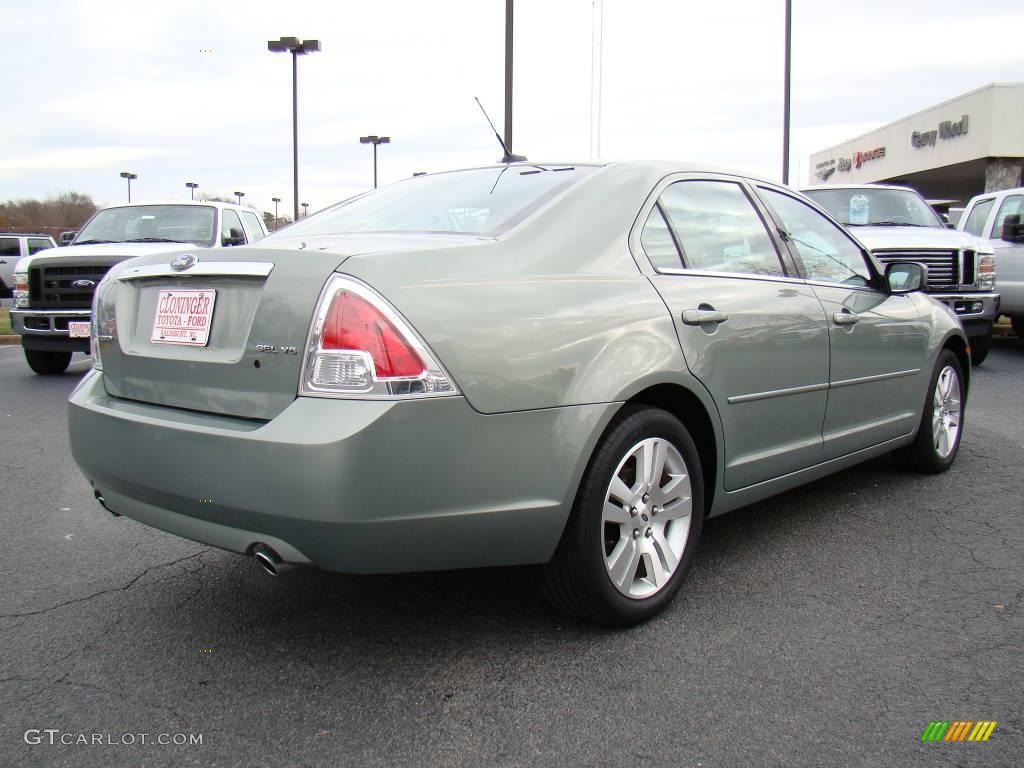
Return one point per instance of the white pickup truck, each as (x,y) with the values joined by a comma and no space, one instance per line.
(53,289)
(999,218)
(898,225)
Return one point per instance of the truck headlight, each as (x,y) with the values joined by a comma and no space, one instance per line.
(21,290)
(986,271)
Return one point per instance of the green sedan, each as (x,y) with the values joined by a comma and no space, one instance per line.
(564,365)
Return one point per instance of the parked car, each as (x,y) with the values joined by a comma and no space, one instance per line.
(997,217)
(14,246)
(898,225)
(66,238)
(570,365)
(54,290)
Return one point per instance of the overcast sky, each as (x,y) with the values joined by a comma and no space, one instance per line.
(187,91)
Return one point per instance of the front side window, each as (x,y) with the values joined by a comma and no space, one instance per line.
(827,253)
(483,201)
(718,228)
(876,206)
(151,224)
(1011,205)
(36,244)
(979,215)
(10,248)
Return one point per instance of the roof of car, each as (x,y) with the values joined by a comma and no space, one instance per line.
(25,234)
(855,186)
(206,203)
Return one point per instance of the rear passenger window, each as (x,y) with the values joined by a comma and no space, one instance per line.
(9,247)
(658,244)
(254,226)
(718,229)
(36,244)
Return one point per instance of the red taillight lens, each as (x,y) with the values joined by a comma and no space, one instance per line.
(353,323)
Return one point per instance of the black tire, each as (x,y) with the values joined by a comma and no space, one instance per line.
(577,580)
(46,362)
(922,454)
(980,346)
(1017,321)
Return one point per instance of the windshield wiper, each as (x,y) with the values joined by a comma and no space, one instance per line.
(92,242)
(153,240)
(888,223)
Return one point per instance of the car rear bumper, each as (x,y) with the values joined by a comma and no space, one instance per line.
(348,485)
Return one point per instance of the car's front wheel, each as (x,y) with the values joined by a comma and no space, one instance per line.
(635,525)
(938,435)
(46,362)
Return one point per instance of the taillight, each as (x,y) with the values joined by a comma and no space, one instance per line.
(359,346)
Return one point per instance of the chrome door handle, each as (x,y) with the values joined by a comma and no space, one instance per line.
(703,316)
(845,318)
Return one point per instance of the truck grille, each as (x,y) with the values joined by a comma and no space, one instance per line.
(943,266)
(54,287)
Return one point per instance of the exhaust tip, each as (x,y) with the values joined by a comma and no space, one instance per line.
(103,502)
(267,560)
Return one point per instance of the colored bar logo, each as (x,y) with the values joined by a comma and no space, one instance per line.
(958,730)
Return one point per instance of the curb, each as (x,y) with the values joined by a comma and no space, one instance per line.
(13,339)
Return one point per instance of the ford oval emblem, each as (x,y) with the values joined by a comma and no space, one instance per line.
(183,262)
(83,284)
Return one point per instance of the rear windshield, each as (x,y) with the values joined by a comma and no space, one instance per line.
(484,201)
(864,206)
(151,224)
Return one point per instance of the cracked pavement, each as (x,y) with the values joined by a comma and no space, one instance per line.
(825,626)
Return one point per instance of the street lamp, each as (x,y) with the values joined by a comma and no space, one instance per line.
(305,210)
(296,48)
(276,201)
(375,140)
(192,188)
(239,195)
(129,176)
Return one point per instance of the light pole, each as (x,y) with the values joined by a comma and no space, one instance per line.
(785,96)
(296,48)
(129,176)
(305,210)
(375,140)
(239,195)
(192,188)
(276,201)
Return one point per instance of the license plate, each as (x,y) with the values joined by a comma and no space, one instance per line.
(183,317)
(78,330)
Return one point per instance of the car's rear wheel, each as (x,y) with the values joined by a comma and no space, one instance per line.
(635,525)
(980,347)
(938,435)
(47,362)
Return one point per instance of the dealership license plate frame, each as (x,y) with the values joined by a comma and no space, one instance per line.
(192,335)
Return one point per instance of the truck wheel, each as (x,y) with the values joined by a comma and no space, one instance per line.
(980,346)
(1017,321)
(47,363)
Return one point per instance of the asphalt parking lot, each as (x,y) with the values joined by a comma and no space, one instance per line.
(824,627)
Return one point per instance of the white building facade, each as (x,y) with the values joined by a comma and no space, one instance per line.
(950,152)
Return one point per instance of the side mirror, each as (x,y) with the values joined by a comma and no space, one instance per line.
(1013,230)
(235,237)
(906,277)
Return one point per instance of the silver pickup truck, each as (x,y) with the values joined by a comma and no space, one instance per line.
(53,289)
(998,217)
(898,225)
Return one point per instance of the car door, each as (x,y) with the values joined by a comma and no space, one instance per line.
(1009,256)
(753,334)
(879,342)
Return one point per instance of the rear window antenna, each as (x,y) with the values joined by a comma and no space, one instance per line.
(509,157)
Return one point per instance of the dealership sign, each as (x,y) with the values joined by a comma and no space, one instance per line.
(947,129)
(825,169)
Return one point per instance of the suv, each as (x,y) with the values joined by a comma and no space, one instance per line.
(898,225)
(997,217)
(53,291)
(12,248)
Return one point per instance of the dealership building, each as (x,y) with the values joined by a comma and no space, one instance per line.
(949,153)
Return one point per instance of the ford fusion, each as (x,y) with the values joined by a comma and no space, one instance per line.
(564,365)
